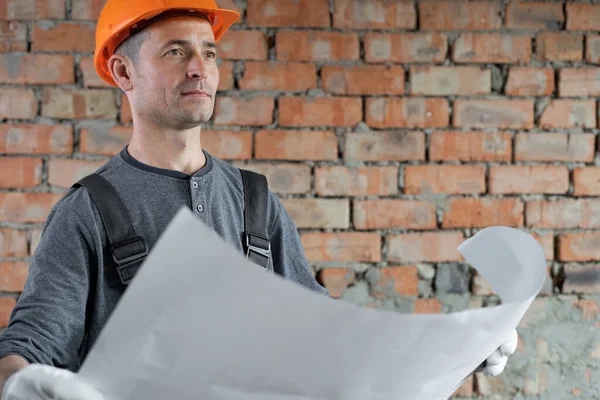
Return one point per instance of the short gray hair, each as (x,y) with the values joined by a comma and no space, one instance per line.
(130,47)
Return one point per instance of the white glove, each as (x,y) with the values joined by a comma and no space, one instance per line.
(495,363)
(44,382)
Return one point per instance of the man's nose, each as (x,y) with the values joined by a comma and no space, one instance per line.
(197,68)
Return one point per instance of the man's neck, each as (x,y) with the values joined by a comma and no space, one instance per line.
(178,151)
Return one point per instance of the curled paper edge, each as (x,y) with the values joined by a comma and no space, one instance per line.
(509,259)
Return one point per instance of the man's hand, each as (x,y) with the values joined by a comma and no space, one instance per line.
(495,363)
(44,382)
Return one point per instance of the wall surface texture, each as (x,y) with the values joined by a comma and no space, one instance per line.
(393,130)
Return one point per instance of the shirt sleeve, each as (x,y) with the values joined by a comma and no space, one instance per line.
(289,259)
(48,322)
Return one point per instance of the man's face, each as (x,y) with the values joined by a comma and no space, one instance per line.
(176,78)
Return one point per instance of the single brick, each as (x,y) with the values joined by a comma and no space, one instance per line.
(496,48)
(566,113)
(583,17)
(26,207)
(579,82)
(18,102)
(394,281)
(459,15)
(582,279)
(32,9)
(393,213)
(564,214)
(20,172)
(410,47)
(501,114)
(87,9)
(243,111)
(63,36)
(288,13)
(450,179)
(36,69)
(13,275)
(470,146)
(79,103)
(471,212)
(530,179)
(384,146)
(424,247)
(239,44)
(338,180)
(342,246)
(13,242)
(410,112)
(296,145)
(320,111)
(445,81)
(592,49)
(579,246)
(228,145)
(36,139)
(586,181)
(363,79)
(319,213)
(283,178)
(560,147)
(559,46)
(535,15)
(315,45)
(526,81)
(374,14)
(275,76)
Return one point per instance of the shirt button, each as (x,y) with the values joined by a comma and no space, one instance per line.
(195,185)
(199,207)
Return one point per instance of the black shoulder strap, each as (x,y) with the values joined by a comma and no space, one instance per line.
(256,238)
(128,250)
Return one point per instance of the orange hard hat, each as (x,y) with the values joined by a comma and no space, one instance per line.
(121,18)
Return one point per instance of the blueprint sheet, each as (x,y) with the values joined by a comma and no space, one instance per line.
(199,321)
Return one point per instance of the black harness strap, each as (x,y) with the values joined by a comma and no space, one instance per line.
(256,238)
(127,248)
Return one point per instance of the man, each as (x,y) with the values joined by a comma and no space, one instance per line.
(165,59)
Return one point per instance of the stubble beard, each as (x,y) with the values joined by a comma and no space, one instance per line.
(188,119)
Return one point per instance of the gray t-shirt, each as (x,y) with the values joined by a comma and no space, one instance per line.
(67,277)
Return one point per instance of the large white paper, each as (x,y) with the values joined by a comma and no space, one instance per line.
(201,322)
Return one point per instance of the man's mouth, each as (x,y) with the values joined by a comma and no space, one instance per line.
(197,93)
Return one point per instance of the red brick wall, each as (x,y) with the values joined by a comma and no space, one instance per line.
(392,129)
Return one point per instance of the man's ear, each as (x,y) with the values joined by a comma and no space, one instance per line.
(120,68)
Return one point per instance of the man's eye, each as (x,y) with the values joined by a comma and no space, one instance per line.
(211,54)
(175,52)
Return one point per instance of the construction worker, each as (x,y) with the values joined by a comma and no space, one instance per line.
(163,55)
